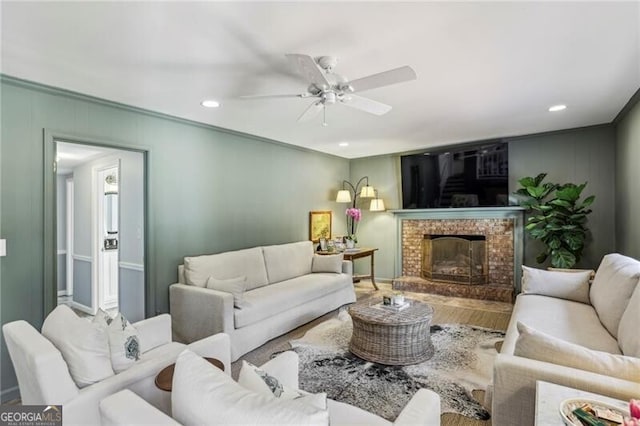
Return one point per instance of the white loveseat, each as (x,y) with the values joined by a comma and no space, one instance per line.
(282,292)
(592,344)
(126,408)
(44,378)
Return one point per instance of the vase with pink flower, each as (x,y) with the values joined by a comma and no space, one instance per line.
(353,217)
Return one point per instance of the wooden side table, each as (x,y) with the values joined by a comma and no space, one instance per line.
(357,253)
(164,379)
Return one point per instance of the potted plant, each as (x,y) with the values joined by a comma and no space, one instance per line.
(557,217)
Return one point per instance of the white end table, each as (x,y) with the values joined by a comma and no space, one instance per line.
(549,396)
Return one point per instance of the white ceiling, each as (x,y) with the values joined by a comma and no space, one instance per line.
(485,69)
(71,155)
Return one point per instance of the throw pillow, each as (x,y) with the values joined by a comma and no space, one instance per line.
(562,285)
(327,263)
(83,345)
(235,286)
(616,278)
(203,394)
(124,342)
(540,346)
(259,381)
(628,335)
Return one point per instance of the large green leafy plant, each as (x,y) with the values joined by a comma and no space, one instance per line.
(557,217)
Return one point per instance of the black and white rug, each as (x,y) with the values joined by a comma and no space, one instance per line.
(462,362)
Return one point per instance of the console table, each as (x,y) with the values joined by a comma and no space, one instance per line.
(357,253)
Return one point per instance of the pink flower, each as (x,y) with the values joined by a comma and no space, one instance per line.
(355,214)
(634,408)
(631,422)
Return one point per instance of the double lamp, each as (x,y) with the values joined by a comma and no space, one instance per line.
(344,195)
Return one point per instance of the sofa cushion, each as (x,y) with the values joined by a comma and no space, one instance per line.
(286,261)
(327,263)
(565,319)
(83,345)
(564,285)
(616,278)
(203,394)
(534,344)
(265,302)
(235,286)
(232,264)
(628,335)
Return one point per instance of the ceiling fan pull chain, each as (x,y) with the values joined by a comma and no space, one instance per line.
(324,116)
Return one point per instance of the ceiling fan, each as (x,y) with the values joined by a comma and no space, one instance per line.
(330,88)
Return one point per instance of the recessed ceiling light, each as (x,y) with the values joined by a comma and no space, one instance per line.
(343,144)
(556,108)
(210,103)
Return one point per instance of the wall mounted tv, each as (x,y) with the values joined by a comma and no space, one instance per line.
(462,176)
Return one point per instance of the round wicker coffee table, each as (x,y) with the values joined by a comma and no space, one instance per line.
(388,337)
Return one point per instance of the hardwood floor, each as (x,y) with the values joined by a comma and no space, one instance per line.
(481,313)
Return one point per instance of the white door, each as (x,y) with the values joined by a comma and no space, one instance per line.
(107,237)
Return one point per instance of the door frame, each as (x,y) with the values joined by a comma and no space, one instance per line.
(50,137)
(70,249)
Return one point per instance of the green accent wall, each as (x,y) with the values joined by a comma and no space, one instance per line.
(627,183)
(579,155)
(210,190)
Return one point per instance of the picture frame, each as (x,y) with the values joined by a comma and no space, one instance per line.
(320,225)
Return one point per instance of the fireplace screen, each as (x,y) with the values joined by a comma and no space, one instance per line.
(460,259)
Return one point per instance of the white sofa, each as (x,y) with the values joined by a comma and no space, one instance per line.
(126,408)
(281,294)
(604,331)
(44,378)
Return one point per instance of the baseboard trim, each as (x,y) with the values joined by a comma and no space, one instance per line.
(81,307)
(62,293)
(9,394)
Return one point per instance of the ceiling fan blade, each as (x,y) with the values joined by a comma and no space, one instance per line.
(313,110)
(308,68)
(366,104)
(300,95)
(385,78)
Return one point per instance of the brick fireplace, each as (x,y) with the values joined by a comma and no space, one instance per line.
(478,252)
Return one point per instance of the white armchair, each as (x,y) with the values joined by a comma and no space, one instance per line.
(43,375)
(127,408)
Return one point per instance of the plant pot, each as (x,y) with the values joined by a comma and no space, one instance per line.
(350,244)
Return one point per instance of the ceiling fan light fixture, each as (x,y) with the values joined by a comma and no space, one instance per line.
(210,103)
(556,108)
(343,144)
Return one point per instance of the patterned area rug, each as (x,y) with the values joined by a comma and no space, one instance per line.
(462,362)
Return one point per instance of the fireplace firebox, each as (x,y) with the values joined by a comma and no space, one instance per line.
(460,259)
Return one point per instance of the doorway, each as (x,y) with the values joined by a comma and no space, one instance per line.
(100,200)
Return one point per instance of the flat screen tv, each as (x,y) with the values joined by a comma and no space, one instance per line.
(463,176)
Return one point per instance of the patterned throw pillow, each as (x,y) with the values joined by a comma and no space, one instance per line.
(124,343)
(254,379)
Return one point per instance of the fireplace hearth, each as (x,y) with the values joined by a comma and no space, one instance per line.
(458,259)
(460,252)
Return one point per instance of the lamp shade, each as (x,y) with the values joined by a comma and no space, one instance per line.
(344,196)
(377,205)
(367,192)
